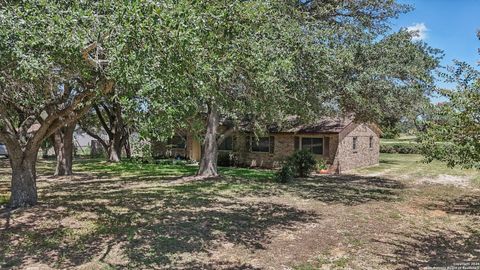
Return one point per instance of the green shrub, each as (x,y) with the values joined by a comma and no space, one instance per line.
(4,199)
(303,163)
(285,174)
(400,148)
(322,164)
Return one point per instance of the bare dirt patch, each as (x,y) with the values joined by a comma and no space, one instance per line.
(443,179)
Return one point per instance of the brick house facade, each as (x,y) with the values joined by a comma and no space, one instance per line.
(342,143)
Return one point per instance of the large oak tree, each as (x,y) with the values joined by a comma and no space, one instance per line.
(260,61)
(45,81)
(55,58)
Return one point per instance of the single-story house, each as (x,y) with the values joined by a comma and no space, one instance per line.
(341,142)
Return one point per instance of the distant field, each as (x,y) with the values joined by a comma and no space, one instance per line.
(401,140)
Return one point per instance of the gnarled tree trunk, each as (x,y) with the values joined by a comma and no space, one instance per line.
(128,148)
(63,145)
(24,182)
(114,148)
(208,162)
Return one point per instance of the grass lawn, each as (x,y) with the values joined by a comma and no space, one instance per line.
(402,214)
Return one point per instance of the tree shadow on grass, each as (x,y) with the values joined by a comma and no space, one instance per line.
(153,223)
(433,248)
(341,189)
(76,224)
(464,205)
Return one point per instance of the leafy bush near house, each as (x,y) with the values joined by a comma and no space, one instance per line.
(400,148)
(303,163)
(285,174)
(322,165)
(4,199)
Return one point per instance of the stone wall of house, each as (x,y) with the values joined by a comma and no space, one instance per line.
(332,149)
(284,146)
(347,158)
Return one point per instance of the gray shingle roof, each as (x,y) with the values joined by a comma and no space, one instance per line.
(322,125)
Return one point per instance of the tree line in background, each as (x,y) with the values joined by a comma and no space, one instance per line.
(158,67)
(448,130)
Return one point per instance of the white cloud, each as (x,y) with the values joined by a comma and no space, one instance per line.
(419,31)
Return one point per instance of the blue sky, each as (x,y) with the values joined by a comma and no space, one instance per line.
(449,25)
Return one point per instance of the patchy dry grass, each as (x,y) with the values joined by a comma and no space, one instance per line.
(143,216)
(413,168)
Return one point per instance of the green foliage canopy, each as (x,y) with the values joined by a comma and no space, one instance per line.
(453,135)
(264,60)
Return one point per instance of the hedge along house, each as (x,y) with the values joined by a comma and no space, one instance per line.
(342,143)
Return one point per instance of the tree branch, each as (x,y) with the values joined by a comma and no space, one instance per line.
(225,135)
(95,136)
(102,120)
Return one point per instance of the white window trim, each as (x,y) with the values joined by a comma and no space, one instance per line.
(253,139)
(223,150)
(313,136)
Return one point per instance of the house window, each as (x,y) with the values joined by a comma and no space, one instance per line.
(315,145)
(260,145)
(371,142)
(177,142)
(227,144)
(354,143)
